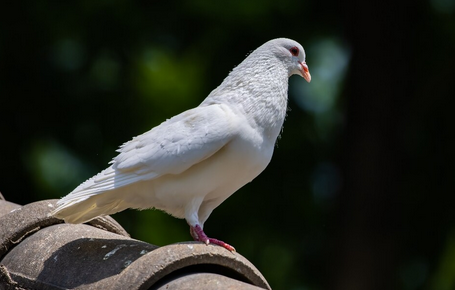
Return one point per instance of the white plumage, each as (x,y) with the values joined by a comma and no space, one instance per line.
(189,164)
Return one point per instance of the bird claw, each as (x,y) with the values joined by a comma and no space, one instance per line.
(222,244)
(198,235)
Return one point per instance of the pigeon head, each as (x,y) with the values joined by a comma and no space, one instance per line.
(292,54)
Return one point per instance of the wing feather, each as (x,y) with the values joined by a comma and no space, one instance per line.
(170,148)
(178,143)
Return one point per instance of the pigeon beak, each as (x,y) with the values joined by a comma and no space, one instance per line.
(304,71)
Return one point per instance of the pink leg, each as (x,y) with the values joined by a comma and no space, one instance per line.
(198,235)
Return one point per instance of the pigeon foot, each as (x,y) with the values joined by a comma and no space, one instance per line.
(198,235)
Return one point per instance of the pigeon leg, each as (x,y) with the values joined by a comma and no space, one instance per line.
(198,235)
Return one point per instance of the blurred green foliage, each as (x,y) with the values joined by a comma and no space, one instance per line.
(77,79)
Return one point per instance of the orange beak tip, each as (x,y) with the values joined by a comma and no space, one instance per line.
(305,72)
(307,76)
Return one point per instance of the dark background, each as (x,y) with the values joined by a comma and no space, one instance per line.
(360,191)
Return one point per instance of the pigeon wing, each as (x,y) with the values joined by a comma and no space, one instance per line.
(175,145)
(170,148)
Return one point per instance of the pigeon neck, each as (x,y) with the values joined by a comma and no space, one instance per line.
(258,87)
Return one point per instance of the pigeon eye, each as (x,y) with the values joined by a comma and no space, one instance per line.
(294,51)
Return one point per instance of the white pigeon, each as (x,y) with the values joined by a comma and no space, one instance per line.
(189,164)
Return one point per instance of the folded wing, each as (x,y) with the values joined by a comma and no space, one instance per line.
(170,148)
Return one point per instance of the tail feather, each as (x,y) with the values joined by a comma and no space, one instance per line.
(107,180)
(82,211)
(103,194)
